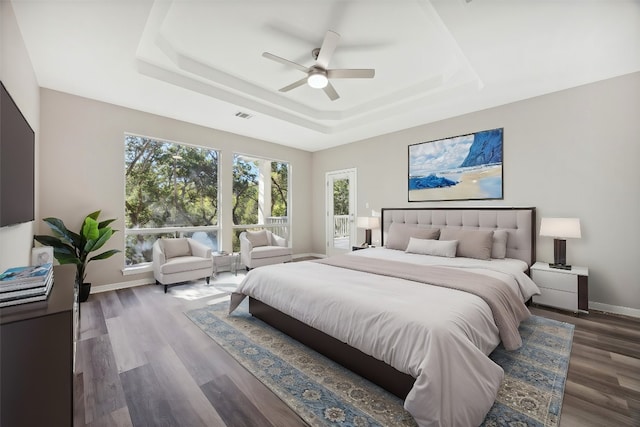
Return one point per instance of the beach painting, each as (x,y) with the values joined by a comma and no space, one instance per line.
(465,167)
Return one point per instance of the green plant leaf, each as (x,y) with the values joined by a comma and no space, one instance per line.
(50,241)
(106,222)
(64,258)
(66,250)
(58,245)
(94,245)
(105,255)
(90,229)
(94,215)
(59,229)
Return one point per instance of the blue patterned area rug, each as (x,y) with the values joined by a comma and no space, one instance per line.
(324,393)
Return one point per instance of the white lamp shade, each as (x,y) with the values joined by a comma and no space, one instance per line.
(369,222)
(564,228)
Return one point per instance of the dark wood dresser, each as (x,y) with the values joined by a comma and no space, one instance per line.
(37,356)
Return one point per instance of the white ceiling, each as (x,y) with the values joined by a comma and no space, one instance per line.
(201,61)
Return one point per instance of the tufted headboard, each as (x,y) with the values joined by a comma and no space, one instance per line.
(520,224)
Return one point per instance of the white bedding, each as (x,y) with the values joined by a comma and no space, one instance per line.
(438,335)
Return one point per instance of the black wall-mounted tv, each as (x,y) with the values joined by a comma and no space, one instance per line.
(17,145)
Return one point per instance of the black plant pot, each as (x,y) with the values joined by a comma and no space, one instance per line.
(85,290)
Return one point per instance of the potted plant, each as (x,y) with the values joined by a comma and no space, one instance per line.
(74,248)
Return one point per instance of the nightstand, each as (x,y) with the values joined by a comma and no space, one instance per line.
(565,289)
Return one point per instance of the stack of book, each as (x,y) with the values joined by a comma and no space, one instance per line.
(20,285)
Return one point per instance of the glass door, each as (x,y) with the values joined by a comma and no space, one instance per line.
(340,203)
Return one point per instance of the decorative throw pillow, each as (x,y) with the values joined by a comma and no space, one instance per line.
(499,249)
(400,233)
(471,243)
(445,248)
(258,238)
(175,247)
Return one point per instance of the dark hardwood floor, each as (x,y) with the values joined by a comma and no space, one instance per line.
(141,362)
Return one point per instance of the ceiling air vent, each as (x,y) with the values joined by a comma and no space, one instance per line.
(243,115)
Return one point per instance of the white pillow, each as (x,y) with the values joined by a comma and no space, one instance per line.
(175,247)
(471,243)
(399,233)
(499,249)
(258,238)
(445,248)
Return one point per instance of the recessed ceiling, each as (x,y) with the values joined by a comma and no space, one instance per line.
(201,61)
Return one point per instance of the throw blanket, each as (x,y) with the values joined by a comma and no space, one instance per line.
(507,308)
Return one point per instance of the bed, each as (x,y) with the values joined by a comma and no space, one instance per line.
(408,315)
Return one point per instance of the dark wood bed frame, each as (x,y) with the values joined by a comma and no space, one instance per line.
(366,366)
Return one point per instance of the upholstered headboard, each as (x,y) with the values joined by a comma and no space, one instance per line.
(519,223)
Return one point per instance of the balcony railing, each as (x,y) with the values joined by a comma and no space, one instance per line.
(278,225)
(341,226)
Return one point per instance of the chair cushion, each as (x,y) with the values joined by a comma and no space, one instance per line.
(269,252)
(258,238)
(185,263)
(175,247)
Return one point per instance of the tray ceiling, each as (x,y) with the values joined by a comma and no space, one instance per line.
(201,61)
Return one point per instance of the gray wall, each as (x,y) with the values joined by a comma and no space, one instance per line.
(16,73)
(82,169)
(573,153)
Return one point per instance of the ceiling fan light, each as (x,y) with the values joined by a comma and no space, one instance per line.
(317,80)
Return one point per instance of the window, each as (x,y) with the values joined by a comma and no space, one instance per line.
(171,189)
(260,196)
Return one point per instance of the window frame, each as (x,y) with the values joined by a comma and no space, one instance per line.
(177,231)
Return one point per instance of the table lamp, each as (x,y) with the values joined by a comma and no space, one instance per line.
(560,229)
(368,223)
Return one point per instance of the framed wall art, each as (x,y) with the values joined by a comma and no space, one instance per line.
(465,167)
(41,255)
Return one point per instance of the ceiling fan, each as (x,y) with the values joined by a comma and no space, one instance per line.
(318,75)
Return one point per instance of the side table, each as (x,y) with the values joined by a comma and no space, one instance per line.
(225,259)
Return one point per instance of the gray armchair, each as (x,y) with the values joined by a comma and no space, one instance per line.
(179,260)
(258,248)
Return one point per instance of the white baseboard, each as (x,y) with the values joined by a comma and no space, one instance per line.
(615,309)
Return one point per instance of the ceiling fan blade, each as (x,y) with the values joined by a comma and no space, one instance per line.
(326,50)
(331,92)
(294,85)
(351,74)
(285,62)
